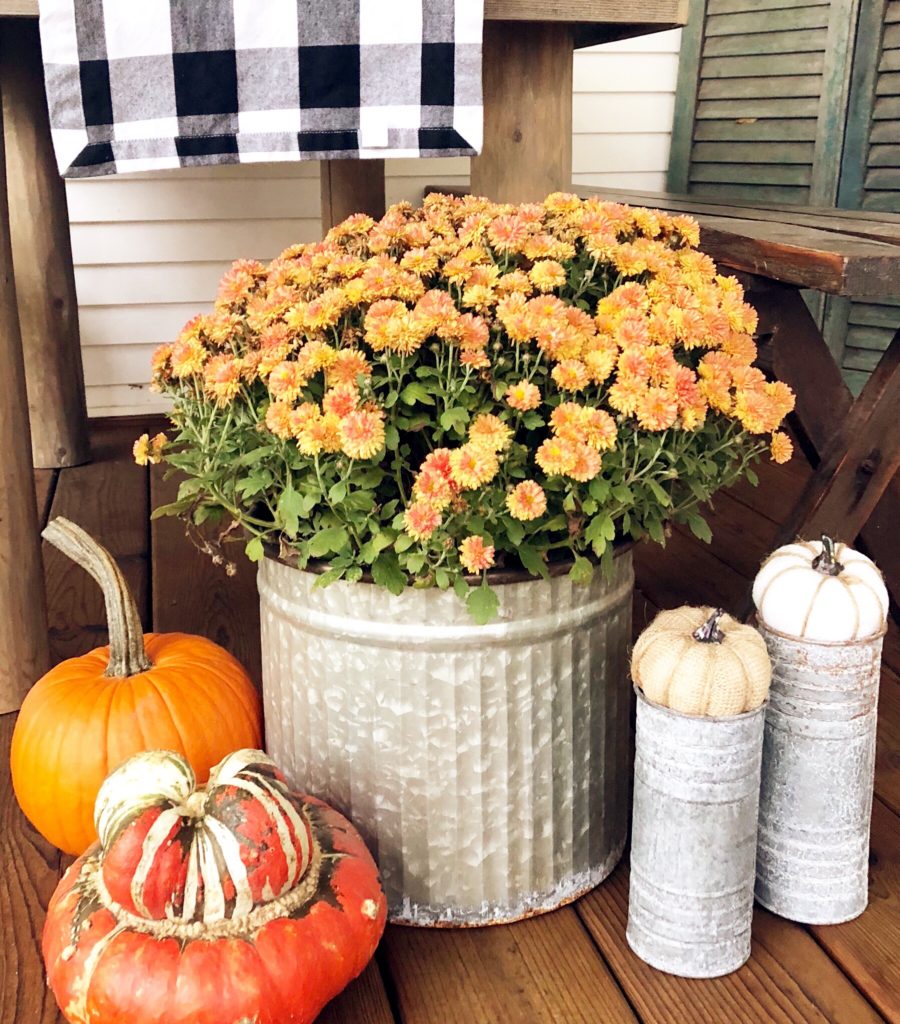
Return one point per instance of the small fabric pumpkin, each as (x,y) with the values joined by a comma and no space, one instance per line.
(237,901)
(89,714)
(821,591)
(700,661)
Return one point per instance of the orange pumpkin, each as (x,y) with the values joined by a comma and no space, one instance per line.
(88,715)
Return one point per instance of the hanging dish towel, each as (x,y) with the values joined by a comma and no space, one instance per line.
(141,85)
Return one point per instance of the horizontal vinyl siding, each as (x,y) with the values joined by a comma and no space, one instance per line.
(150,249)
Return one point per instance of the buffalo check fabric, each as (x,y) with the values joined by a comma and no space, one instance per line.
(144,85)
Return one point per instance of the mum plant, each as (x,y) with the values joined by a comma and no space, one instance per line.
(467,385)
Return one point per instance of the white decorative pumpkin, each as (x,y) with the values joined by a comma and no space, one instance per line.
(821,591)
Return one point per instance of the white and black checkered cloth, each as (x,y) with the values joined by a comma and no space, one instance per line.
(141,85)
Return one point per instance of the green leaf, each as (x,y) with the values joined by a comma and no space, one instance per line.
(403,542)
(254,549)
(442,578)
(532,420)
(323,579)
(386,572)
(515,531)
(338,492)
(699,527)
(623,494)
(174,508)
(454,418)
(482,604)
(331,539)
(461,587)
(391,437)
(531,559)
(659,493)
(582,570)
(752,477)
(353,574)
(656,531)
(599,489)
(290,507)
(415,392)
(414,563)
(390,399)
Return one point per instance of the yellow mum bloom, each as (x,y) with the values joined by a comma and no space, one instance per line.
(523,396)
(341,400)
(421,519)
(556,456)
(349,364)
(473,465)
(547,275)
(600,430)
(657,409)
(781,448)
(490,430)
(286,381)
(571,375)
(362,433)
(475,555)
(527,500)
(586,464)
(278,419)
(149,451)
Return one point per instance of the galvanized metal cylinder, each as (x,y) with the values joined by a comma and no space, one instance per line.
(818,775)
(693,839)
(487,767)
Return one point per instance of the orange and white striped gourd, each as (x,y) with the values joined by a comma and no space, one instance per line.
(821,591)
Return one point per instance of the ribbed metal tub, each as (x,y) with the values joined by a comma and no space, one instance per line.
(488,766)
(693,839)
(818,776)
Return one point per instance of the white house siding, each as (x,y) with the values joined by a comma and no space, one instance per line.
(149,249)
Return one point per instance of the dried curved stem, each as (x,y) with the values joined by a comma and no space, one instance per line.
(709,632)
(127,656)
(826,563)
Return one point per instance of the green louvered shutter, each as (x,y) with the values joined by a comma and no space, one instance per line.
(870,176)
(761,98)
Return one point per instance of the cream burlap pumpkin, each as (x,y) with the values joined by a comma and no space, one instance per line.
(700,661)
(821,591)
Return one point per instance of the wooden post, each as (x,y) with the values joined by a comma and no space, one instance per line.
(351,186)
(42,254)
(527,112)
(23,615)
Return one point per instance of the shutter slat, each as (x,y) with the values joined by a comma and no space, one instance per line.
(892,14)
(753,152)
(883,178)
(888,202)
(883,131)
(890,60)
(891,39)
(860,358)
(787,20)
(776,86)
(870,314)
(739,6)
(884,156)
(766,42)
(767,130)
(887,108)
(888,84)
(761,194)
(764,174)
(710,110)
(745,67)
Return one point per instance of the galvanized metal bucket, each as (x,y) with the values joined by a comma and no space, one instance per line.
(818,774)
(693,839)
(487,767)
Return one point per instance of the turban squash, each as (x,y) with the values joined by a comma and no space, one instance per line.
(89,714)
(240,901)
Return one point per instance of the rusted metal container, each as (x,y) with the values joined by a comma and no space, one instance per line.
(488,767)
(693,839)
(818,774)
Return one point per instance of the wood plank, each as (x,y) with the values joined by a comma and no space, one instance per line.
(363,1001)
(350,186)
(23,624)
(542,970)
(191,595)
(108,498)
(865,949)
(29,872)
(686,90)
(788,977)
(527,77)
(668,13)
(44,486)
(42,255)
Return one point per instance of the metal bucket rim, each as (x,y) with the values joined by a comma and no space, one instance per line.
(697,718)
(495,577)
(762,624)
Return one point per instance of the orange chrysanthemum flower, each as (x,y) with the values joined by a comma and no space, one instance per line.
(491,431)
(586,464)
(556,456)
(433,488)
(473,465)
(362,433)
(571,375)
(348,366)
(523,396)
(475,555)
(287,380)
(781,447)
(341,400)
(546,275)
(421,519)
(278,419)
(527,501)
(657,409)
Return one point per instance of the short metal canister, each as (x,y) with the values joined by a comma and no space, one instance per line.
(818,775)
(693,845)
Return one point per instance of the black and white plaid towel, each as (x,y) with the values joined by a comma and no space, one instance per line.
(141,85)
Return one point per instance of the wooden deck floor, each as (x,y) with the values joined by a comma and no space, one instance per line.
(568,967)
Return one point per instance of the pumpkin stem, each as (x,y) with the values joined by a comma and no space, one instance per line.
(709,632)
(826,563)
(127,656)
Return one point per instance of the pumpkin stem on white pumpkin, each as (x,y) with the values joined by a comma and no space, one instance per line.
(709,632)
(826,563)
(127,656)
